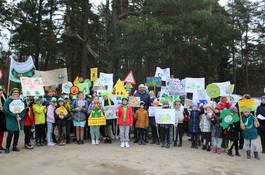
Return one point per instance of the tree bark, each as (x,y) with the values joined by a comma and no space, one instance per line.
(85,36)
(49,39)
(38,43)
(68,47)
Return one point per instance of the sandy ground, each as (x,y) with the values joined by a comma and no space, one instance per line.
(111,159)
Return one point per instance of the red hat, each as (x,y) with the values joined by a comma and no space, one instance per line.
(219,107)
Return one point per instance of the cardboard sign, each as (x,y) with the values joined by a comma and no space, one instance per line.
(130,78)
(105,79)
(247,105)
(128,85)
(66,87)
(176,86)
(16,106)
(93,74)
(203,97)
(61,111)
(53,88)
(74,90)
(164,74)
(134,101)
(89,82)
(32,86)
(152,110)
(223,88)
(52,77)
(194,84)
(153,81)
(165,116)
(189,102)
(230,89)
(213,90)
(96,117)
(164,95)
(118,90)
(110,112)
(228,118)
(83,87)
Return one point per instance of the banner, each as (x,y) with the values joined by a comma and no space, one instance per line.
(152,110)
(66,87)
(176,86)
(129,78)
(165,116)
(194,84)
(247,105)
(153,81)
(16,106)
(105,79)
(96,117)
(223,88)
(83,87)
(110,112)
(93,74)
(163,73)
(21,69)
(32,86)
(52,77)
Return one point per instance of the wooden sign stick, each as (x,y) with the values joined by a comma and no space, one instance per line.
(157,132)
(175,135)
(97,135)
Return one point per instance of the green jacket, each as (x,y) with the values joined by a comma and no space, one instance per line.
(11,119)
(39,113)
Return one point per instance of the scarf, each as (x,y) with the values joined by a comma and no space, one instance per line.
(103,102)
(246,123)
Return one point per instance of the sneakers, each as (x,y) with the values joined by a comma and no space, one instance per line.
(7,150)
(175,143)
(41,142)
(51,144)
(168,145)
(218,150)
(93,142)
(135,141)
(143,142)
(117,137)
(127,145)
(38,142)
(195,145)
(113,137)
(104,138)
(256,154)
(163,144)
(96,142)
(158,142)
(215,150)
(28,146)
(110,142)
(139,142)
(2,149)
(230,153)
(192,144)
(153,142)
(106,141)
(146,141)
(122,144)
(78,142)
(237,154)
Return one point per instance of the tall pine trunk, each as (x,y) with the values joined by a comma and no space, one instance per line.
(85,37)
(68,47)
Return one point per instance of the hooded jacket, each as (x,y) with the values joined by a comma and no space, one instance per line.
(79,115)
(141,117)
(39,113)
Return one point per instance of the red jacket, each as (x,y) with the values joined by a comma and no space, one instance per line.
(27,121)
(129,116)
(222,106)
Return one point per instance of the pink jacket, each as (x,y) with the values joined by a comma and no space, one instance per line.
(50,114)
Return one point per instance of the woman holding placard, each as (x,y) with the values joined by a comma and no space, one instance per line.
(14,110)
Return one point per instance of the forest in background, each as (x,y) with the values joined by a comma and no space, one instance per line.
(194,38)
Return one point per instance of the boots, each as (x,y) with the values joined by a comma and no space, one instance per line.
(237,153)
(230,153)
(175,143)
(61,142)
(153,142)
(180,144)
(204,147)
(167,145)
(195,145)
(218,150)
(110,142)
(192,144)
(41,142)
(68,139)
(215,150)
(15,148)
(7,150)
(64,142)
(199,143)
(209,148)
(248,154)
(38,142)
(163,144)
(256,154)
(157,142)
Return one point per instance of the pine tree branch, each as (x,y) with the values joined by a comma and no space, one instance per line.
(121,16)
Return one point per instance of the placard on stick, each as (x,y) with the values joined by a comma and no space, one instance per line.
(96,117)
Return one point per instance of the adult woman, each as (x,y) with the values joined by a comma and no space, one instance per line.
(261,118)
(2,119)
(79,108)
(13,121)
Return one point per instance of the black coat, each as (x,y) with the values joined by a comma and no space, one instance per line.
(261,111)
(233,131)
(217,130)
(2,117)
(61,122)
(106,103)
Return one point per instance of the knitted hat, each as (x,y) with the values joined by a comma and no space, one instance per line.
(88,96)
(207,106)
(15,89)
(155,102)
(151,92)
(219,107)
(1,88)
(60,99)
(37,98)
(74,98)
(177,99)
(53,99)
(263,97)
(245,112)
(66,97)
(194,105)
(104,94)
(25,99)
(165,102)
(124,98)
(142,103)
(233,109)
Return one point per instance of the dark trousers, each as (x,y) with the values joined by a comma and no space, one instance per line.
(241,139)
(206,138)
(86,130)
(232,144)
(68,128)
(9,138)
(262,138)
(27,132)
(116,126)
(135,130)
(102,131)
(154,133)
(186,127)
(194,137)
(163,133)
(40,131)
(62,132)
(179,132)
(141,131)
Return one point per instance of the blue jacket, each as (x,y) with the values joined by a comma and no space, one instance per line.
(194,120)
(261,111)
(144,97)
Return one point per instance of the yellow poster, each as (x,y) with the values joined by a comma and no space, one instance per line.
(118,90)
(247,105)
(134,101)
(93,74)
(61,110)
(96,117)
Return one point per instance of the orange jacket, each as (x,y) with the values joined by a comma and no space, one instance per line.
(141,117)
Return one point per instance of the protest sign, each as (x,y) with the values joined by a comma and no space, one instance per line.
(67,86)
(194,84)
(52,77)
(247,105)
(118,90)
(134,101)
(53,88)
(152,110)
(110,112)
(130,78)
(163,73)
(223,88)
(16,106)
(32,86)
(153,81)
(176,86)
(83,87)
(96,117)
(93,74)
(105,79)
(165,116)
(213,91)
(228,118)
(61,111)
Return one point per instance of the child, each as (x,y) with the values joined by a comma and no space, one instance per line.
(142,122)
(125,121)
(194,128)
(233,134)
(69,121)
(39,113)
(153,125)
(50,121)
(164,128)
(206,127)
(94,130)
(28,122)
(250,133)
(61,121)
(217,130)
(179,112)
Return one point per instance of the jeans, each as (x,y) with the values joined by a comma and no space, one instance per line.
(124,132)
(27,132)
(49,132)
(94,130)
(248,143)
(217,142)
(108,131)
(170,134)
(9,138)
(62,132)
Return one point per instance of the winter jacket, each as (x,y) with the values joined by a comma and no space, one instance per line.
(180,114)
(144,97)
(2,116)
(129,116)
(233,131)
(11,119)
(250,133)
(225,105)
(68,107)
(194,116)
(79,115)
(39,113)
(50,114)
(217,130)
(206,122)
(152,121)
(29,119)
(106,103)
(61,122)
(261,111)
(141,117)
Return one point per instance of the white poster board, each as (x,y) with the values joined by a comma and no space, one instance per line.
(194,84)
(66,87)
(176,86)
(16,106)
(203,96)
(223,88)
(163,73)
(165,116)
(32,86)
(152,110)
(105,79)
(110,112)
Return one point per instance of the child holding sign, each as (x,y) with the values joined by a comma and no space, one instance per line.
(217,130)
(50,121)
(125,121)
(206,127)
(153,125)
(142,122)
(28,122)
